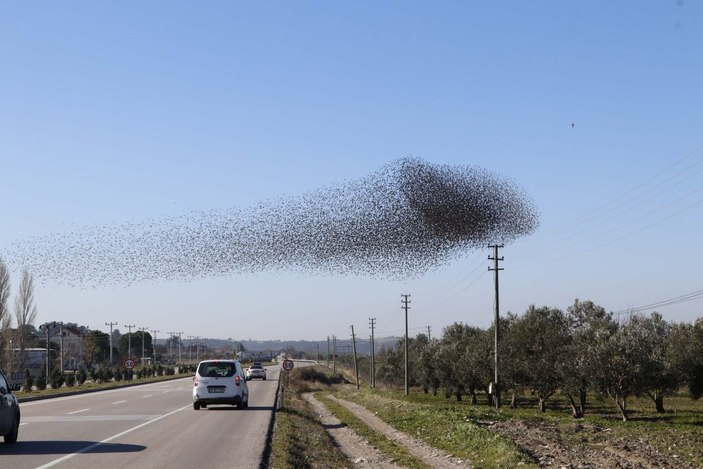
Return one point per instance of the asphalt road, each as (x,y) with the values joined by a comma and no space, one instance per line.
(147,426)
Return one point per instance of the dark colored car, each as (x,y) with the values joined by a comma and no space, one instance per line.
(9,412)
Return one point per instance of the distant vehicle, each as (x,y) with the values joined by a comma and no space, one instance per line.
(220,382)
(9,412)
(256,370)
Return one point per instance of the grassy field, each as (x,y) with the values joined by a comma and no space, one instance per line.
(299,440)
(511,437)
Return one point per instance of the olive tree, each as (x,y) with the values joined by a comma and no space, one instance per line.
(587,321)
(541,338)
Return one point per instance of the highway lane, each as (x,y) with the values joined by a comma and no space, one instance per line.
(146,426)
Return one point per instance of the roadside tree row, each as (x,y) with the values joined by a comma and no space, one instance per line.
(546,350)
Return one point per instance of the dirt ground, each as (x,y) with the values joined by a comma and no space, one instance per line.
(349,444)
(581,445)
(595,447)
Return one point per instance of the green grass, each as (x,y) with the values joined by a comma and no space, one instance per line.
(397,453)
(456,429)
(299,439)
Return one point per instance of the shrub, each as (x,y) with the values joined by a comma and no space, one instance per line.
(57,379)
(40,383)
(28,380)
(81,376)
(70,380)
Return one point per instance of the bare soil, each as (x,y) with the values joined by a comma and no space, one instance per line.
(581,445)
(585,445)
(433,456)
(361,454)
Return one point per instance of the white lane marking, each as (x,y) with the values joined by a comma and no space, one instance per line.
(88,418)
(118,402)
(107,440)
(148,395)
(78,411)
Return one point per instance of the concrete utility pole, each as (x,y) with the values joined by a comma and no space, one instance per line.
(328,351)
(334,353)
(143,329)
(429,337)
(170,344)
(372,324)
(406,301)
(356,367)
(179,347)
(153,345)
(190,346)
(110,324)
(496,269)
(129,340)
(61,345)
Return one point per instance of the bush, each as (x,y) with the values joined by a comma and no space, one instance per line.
(81,376)
(70,380)
(312,374)
(40,383)
(118,375)
(28,380)
(57,379)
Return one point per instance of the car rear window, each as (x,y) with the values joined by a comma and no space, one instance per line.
(256,366)
(217,370)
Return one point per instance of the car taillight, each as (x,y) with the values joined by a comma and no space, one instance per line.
(237,380)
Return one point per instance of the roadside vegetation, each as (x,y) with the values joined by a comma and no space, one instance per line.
(97,380)
(299,440)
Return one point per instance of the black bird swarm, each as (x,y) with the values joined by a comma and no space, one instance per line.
(405,219)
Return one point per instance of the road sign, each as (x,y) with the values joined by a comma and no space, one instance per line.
(129,364)
(288,365)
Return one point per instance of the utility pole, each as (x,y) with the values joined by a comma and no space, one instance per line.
(372,324)
(129,339)
(334,353)
(328,351)
(356,367)
(429,337)
(496,269)
(110,324)
(170,344)
(179,346)
(406,301)
(143,329)
(190,346)
(153,345)
(61,345)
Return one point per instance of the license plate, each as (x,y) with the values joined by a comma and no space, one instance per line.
(220,390)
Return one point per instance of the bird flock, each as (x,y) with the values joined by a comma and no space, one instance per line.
(399,222)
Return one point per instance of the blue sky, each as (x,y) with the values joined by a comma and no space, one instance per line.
(119,112)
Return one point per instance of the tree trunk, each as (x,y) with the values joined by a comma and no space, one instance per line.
(458,395)
(472,393)
(582,401)
(447,393)
(513,401)
(576,411)
(658,399)
(425,390)
(542,404)
(434,391)
(622,406)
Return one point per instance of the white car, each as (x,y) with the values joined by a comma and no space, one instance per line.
(256,370)
(220,382)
